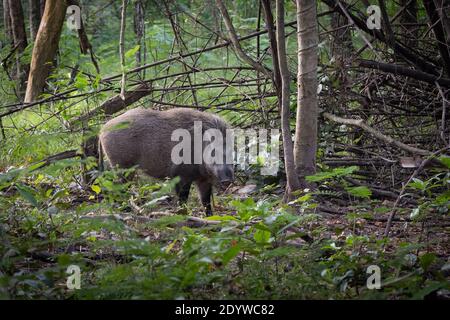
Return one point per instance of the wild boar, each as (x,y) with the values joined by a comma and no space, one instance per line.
(144,138)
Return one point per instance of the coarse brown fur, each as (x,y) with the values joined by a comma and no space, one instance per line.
(142,138)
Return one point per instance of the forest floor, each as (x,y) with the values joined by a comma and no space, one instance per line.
(254,247)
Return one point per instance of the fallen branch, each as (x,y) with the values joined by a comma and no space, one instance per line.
(403,71)
(377,134)
(57,157)
(116,103)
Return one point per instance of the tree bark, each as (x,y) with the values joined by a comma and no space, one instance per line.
(293,182)
(45,47)
(268,16)
(20,41)
(307,105)
(7,21)
(139,30)
(35,17)
(42,7)
(123,22)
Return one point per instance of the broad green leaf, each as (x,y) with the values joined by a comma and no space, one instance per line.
(426,260)
(445,160)
(335,173)
(130,53)
(360,192)
(27,193)
(417,184)
(261,236)
(231,253)
(96,189)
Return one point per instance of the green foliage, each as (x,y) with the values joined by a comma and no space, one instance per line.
(335,173)
(254,248)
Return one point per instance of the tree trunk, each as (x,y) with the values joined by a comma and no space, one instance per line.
(307,105)
(45,47)
(139,30)
(293,182)
(268,16)
(42,7)
(35,17)
(7,21)
(20,41)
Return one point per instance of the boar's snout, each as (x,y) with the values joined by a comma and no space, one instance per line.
(224,175)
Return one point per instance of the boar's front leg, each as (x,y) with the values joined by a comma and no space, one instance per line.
(205,192)
(183,188)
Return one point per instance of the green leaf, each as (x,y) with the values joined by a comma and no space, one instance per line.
(261,236)
(445,160)
(36,166)
(96,189)
(417,184)
(120,126)
(81,82)
(27,193)
(231,253)
(335,173)
(130,53)
(360,192)
(426,260)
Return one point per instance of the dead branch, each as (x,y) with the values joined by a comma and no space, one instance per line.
(377,134)
(116,103)
(403,71)
(235,41)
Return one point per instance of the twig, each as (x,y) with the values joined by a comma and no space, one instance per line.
(389,140)
(235,41)
(122,48)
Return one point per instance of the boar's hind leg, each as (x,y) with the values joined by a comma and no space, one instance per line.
(183,188)
(205,192)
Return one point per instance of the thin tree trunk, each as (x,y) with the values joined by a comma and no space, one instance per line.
(42,7)
(268,16)
(122,48)
(293,182)
(7,21)
(20,40)
(307,105)
(139,30)
(45,47)
(35,17)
